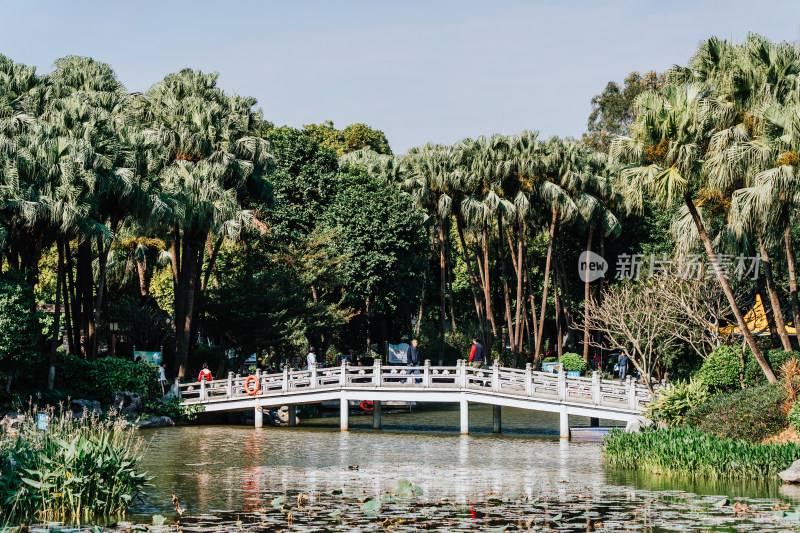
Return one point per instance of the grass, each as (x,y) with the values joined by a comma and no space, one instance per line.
(77,469)
(690,452)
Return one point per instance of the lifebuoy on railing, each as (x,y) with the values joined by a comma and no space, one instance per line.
(248,390)
(366,405)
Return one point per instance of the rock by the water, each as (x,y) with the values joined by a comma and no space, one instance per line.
(791,474)
(127,403)
(174,393)
(155,422)
(635,426)
(78,407)
(283,415)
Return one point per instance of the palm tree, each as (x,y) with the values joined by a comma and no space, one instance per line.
(214,166)
(665,155)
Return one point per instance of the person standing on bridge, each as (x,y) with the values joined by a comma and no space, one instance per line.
(412,357)
(622,363)
(476,354)
(205,373)
(311,358)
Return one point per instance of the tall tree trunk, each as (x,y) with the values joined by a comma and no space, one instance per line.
(51,374)
(519,310)
(559,321)
(178,302)
(777,312)
(189,271)
(472,281)
(101,282)
(549,259)
(449,272)
(787,237)
(486,283)
(65,294)
(775,340)
(212,263)
(75,299)
(531,300)
(506,296)
(87,292)
(141,270)
(421,303)
(443,289)
(368,317)
(587,294)
(726,288)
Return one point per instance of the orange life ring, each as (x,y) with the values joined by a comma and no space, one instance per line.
(366,405)
(247,388)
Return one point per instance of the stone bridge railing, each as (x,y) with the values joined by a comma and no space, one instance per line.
(494,380)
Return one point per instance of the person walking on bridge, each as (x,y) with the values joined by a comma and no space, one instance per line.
(204,374)
(412,358)
(311,358)
(622,363)
(476,354)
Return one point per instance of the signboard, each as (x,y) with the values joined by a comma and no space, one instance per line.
(42,421)
(398,353)
(148,357)
(348,358)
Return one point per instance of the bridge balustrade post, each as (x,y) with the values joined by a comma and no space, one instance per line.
(377,373)
(343,376)
(285,384)
(229,391)
(258,378)
(596,395)
(313,384)
(631,393)
(426,374)
(462,373)
(528,380)
(562,384)
(202,389)
(496,376)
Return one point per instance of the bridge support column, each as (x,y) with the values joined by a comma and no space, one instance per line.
(497,424)
(564,423)
(292,415)
(259,422)
(344,413)
(464,417)
(376,414)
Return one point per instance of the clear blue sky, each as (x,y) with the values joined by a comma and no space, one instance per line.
(418,70)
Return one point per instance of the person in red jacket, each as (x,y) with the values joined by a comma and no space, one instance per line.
(205,373)
(476,354)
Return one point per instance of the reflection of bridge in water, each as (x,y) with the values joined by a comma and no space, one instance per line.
(497,386)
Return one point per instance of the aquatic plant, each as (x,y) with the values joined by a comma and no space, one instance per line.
(75,469)
(675,401)
(694,453)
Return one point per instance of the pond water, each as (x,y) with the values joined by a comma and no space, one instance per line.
(240,478)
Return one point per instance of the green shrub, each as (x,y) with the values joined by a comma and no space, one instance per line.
(19,324)
(674,402)
(96,380)
(794,416)
(690,452)
(750,414)
(76,469)
(549,360)
(721,369)
(572,362)
(753,375)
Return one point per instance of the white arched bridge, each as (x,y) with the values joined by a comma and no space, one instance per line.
(497,386)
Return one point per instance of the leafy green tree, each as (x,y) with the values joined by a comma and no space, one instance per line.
(351,138)
(613,110)
(19,325)
(380,233)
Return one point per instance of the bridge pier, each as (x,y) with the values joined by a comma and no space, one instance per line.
(259,417)
(464,417)
(344,414)
(292,415)
(376,414)
(564,423)
(497,423)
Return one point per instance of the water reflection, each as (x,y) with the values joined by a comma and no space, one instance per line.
(240,469)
